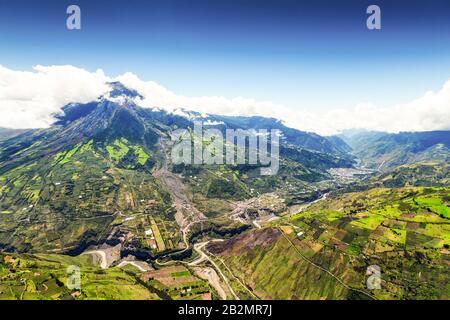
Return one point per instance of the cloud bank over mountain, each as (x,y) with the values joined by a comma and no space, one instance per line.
(28,99)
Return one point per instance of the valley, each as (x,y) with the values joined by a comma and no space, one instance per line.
(99,190)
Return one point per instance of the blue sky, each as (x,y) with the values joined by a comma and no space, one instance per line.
(316,55)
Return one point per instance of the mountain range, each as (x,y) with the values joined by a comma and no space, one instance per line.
(100,182)
(380,150)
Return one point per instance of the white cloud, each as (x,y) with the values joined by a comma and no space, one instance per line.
(28,99)
(158,96)
(430,112)
(427,113)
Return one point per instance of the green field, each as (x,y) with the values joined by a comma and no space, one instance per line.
(180,274)
(43,277)
(399,230)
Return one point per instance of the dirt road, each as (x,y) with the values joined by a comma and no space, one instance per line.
(199,248)
(106,255)
(142,266)
(210,275)
(102,255)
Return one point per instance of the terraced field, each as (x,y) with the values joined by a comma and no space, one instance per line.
(28,277)
(324,252)
(101,181)
(178,283)
(76,197)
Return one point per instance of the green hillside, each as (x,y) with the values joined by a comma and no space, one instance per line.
(385,151)
(324,252)
(102,178)
(44,277)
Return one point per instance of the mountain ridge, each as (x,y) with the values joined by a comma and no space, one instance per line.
(384,151)
(92,163)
